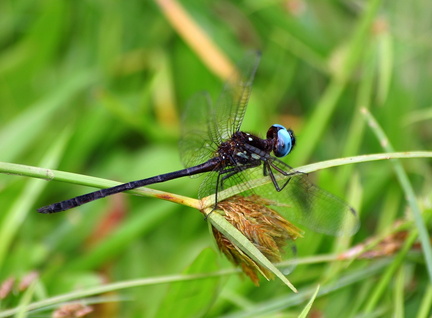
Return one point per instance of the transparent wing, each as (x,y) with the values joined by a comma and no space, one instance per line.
(195,145)
(231,105)
(304,203)
(300,201)
(269,231)
(222,181)
(205,126)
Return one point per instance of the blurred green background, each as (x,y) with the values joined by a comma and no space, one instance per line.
(97,88)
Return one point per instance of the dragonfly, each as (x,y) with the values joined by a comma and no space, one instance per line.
(212,143)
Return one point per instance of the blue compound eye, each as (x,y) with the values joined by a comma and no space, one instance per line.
(285,141)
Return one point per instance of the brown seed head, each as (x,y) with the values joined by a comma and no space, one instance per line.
(263,226)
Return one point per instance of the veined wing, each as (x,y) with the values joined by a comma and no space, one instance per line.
(195,145)
(231,105)
(300,201)
(206,125)
(303,202)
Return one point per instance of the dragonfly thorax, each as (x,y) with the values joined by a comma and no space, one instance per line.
(246,149)
(236,152)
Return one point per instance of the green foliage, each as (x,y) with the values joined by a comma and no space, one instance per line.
(98,87)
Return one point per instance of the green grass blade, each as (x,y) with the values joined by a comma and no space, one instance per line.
(179,293)
(61,299)
(238,239)
(308,306)
(409,193)
(326,106)
(426,304)
(24,202)
(382,286)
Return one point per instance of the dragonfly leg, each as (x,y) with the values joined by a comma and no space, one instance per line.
(225,174)
(268,166)
(218,184)
(228,173)
(269,172)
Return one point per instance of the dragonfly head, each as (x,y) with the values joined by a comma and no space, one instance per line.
(283,140)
